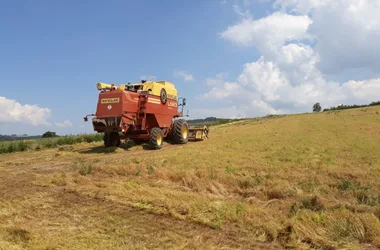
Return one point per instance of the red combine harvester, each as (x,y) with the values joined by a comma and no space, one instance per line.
(146,111)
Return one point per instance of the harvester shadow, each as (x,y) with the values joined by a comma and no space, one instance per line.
(146,146)
(127,146)
(103,150)
(98,150)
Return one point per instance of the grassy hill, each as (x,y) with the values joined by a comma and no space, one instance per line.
(299,181)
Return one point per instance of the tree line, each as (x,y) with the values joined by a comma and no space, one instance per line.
(317,106)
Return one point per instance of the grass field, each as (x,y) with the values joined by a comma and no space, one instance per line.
(307,181)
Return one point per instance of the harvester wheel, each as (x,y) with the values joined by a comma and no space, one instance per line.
(180,131)
(111,139)
(156,138)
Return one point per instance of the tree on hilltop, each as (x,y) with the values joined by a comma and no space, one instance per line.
(317,107)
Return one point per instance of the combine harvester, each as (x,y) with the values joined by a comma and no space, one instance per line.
(146,111)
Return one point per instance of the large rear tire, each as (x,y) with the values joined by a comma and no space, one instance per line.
(156,138)
(111,139)
(180,131)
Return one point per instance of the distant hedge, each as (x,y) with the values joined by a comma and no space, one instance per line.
(219,121)
(340,107)
(24,145)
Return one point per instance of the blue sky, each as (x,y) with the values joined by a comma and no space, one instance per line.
(53,51)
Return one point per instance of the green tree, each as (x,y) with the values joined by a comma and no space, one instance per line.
(317,107)
(49,134)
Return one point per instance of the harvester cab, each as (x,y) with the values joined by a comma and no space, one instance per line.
(147,111)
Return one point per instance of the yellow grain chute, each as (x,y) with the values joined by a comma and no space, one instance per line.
(103,86)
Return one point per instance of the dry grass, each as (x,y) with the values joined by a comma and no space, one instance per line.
(300,181)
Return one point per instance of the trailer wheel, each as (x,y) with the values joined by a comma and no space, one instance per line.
(180,132)
(156,138)
(111,139)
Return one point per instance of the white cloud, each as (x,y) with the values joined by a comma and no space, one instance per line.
(148,78)
(64,124)
(183,74)
(300,6)
(232,112)
(217,80)
(268,33)
(347,35)
(12,111)
(227,90)
(242,13)
(297,50)
(346,32)
(262,88)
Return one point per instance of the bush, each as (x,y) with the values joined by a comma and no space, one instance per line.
(22,146)
(85,169)
(49,134)
(346,185)
(313,204)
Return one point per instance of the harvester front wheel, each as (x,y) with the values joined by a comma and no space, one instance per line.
(180,131)
(156,138)
(111,139)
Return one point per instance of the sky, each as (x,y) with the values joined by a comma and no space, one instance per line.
(229,58)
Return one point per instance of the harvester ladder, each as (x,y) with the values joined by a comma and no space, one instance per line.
(141,113)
